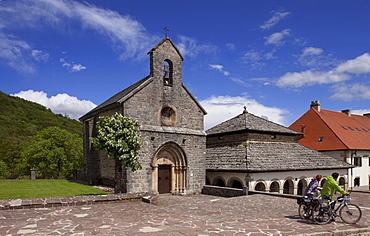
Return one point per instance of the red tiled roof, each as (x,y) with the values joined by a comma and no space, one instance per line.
(338,130)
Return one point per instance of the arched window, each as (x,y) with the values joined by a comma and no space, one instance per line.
(167,72)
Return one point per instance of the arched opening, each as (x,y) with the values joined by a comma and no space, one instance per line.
(302,185)
(237,184)
(274,187)
(167,72)
(288,187)
(169,167)
(342,182)
(260,187)
(219,182)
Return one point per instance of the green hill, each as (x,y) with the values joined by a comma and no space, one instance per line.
(20,120)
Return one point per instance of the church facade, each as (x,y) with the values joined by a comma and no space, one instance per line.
(172,129)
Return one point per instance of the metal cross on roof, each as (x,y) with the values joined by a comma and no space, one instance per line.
(166,30)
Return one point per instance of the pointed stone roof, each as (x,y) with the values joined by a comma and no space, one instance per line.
(248,121)
(262,156)
(162,42)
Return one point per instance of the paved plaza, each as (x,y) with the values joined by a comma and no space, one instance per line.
(180,215)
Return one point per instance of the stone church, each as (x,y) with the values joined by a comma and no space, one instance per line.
(174,142)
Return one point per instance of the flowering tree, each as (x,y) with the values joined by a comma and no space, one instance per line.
(119,136)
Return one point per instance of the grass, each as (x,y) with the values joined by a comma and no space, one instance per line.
(15,189)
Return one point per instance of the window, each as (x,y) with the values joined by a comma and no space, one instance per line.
(357,182)
(357,161)
(167,72)
(320,139)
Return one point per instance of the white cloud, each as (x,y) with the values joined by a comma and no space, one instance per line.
(72,67)
(231,46)
(315,58)
(311,51)
(254,58)
(277,38)
(276,18)
(16,53)
(359,65)
(349,92)
(128,37)
(360,111)
(59,104)
(309,78)
(220,68)
(222,108)
(190,47)
(39,55)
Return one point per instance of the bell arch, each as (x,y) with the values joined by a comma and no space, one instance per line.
(169,169)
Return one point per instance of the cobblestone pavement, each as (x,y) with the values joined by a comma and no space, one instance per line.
(180,215)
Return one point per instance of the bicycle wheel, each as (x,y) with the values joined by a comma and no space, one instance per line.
(321,215)
(304,211)
(350,213)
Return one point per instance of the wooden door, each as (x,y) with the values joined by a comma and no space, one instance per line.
(164,178)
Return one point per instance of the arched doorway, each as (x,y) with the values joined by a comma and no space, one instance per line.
(169,169)
(302,185)
(288,187)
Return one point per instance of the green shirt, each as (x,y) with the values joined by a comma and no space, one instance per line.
(330,186)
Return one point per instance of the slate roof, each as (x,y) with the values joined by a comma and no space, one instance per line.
(248,121)
(259,156)
(118,98)
(338,130)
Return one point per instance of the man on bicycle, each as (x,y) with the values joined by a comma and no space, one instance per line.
(330,186)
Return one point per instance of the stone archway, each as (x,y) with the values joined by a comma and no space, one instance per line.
(169,167)
(302,185)
(288,187)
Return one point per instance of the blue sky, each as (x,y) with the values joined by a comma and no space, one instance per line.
(274,57)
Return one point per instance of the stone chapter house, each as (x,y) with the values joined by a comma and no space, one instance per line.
(174,142)
(249,151)
(178,156)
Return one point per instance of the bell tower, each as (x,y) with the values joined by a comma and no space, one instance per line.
(166,63)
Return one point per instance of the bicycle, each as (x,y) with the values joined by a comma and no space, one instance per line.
(325,210)
(305,206)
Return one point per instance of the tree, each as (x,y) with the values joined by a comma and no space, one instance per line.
(119,136)
(54,152)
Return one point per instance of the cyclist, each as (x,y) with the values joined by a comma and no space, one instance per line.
(330,186)
(312,186)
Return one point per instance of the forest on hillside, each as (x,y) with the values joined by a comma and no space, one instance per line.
(20,122)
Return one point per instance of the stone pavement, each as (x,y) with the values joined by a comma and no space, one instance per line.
(180,215)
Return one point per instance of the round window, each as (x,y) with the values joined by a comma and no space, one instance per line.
(168,116)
